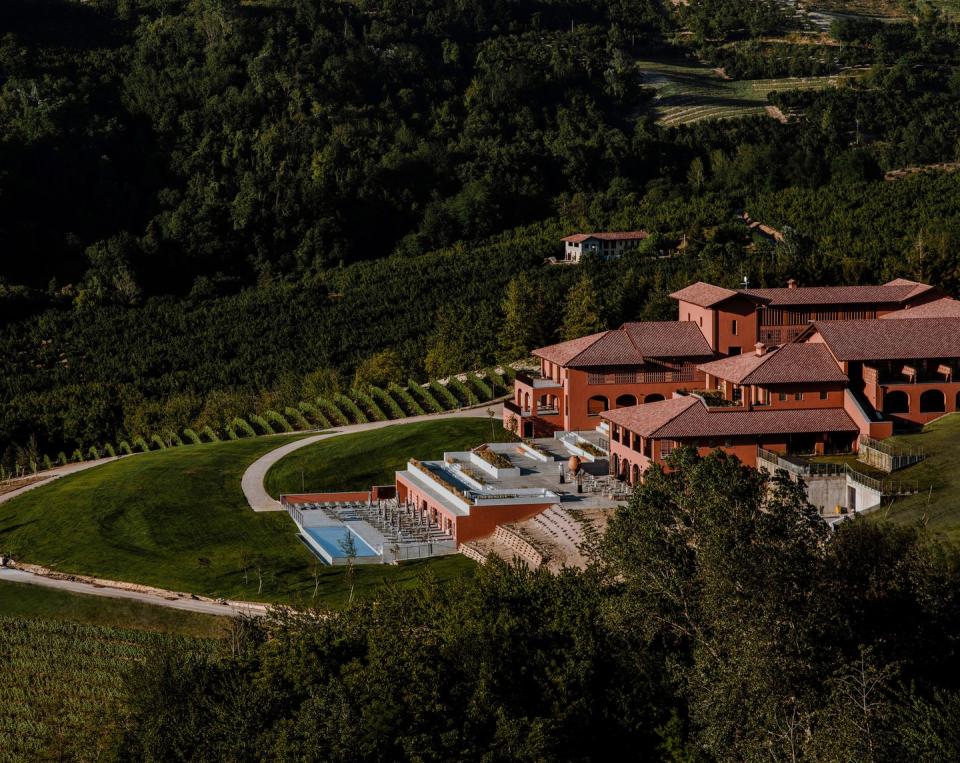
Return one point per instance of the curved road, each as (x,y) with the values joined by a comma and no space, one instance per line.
(253,477)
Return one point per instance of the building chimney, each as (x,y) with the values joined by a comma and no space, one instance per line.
(761,349)
(792,284)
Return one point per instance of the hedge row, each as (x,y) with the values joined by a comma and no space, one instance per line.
(356,407)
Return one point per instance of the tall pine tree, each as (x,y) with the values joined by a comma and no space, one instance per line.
(581,312)
(523,316)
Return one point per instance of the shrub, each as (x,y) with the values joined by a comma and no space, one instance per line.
(445,395)
(298,419)
(192,436)
(495,381)
(61,458)
(430,403)
(365,401)
(140,444)
(109,451)
(329,408)
(93,454)
(509,374)
(408,401)
(393,409)
(124,448)
(158,441)
(275,418)
(483,389)
(348,406)
(208,432)
(172,439)
(462,391)
(77,456)
(47,463)
(262,423)
(231,433)
(242,428)
(314,414)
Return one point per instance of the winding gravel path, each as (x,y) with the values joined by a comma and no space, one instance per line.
(252,481)
(159,599)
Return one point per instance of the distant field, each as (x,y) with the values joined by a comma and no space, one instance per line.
(877,8)
(36,602)
(178,519)
(688,93)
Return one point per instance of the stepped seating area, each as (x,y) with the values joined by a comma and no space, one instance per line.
(553,538)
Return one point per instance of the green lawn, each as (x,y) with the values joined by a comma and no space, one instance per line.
(357,461)
(38,603)
(178,519)
(939,507)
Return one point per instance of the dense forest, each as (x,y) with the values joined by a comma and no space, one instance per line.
(211,204)
(720,621)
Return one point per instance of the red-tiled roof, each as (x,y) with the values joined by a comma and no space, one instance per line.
(790,364)
(918,288)
(628,235)
(703,294)
(688,417)
(939,308)
(563,352)
(668,339)
(836,295)
(650,417)
(629,345)
(892,339)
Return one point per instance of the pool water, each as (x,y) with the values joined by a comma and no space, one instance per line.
(332,539)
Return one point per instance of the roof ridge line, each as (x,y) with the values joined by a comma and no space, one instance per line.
(602,335)
(695,401)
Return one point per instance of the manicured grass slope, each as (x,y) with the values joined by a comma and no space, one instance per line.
(939,508)
(178,519)
(357,461)
(36,602)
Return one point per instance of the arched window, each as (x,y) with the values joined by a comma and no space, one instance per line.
(597,405)
(654,398)
(636,475)
(896,402)
(526,401)
(625,401)
(933,401)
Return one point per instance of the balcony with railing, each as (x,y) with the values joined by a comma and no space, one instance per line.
(685,373)
(536,380)
(774,336)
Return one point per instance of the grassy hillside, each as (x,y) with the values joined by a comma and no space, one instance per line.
(34,602)
(357,461)
(938,505)
(178,519)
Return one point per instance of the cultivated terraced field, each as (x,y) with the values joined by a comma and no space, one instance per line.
(687,93)
(64,692)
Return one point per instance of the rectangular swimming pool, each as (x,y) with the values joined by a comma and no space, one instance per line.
(333,539)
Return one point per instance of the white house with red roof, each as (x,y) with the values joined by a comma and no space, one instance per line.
(607,245)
